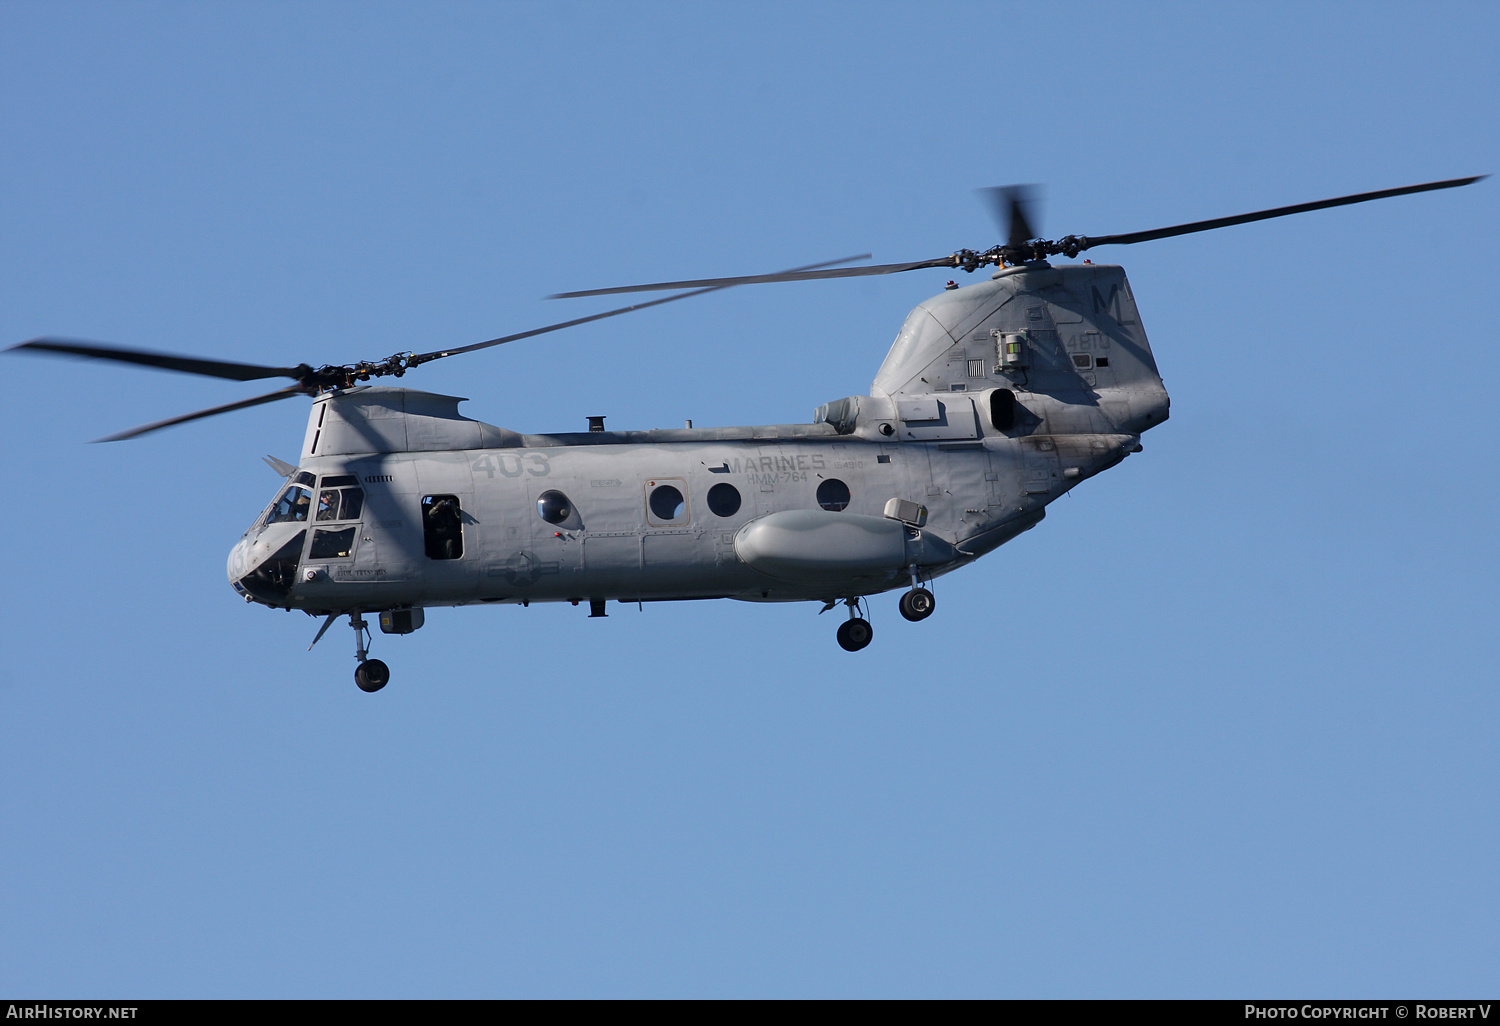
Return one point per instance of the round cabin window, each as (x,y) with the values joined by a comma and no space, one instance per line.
(833,495)
(667,503)
(554,507)
(724,499)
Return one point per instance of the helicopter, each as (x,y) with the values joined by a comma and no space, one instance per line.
(994,400)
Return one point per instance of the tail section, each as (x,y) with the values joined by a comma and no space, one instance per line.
(1055,337)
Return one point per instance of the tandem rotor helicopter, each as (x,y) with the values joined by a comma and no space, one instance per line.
(995,399)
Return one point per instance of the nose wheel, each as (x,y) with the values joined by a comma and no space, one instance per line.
(371,675)
(854,633)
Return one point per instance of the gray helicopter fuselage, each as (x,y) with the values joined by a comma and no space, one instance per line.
(994,400)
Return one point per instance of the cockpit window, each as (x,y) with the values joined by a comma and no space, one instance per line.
(340,503)
(303,477)
(332,544)
(293,505)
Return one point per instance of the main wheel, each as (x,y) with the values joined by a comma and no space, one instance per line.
(917,604)
(372,675)
(855,634)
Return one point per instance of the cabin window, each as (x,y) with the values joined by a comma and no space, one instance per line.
(724,499)
(553,506)
(1003,409)
(833,495)
(1083,361)
(667,503)
(442,527)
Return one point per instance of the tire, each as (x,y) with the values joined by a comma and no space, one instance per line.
(372,675)
(917,604)
(855,634)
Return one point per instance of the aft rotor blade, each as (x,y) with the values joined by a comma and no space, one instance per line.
(161,361)
(269,397)
(1261,215)
(1010,204)
(756,279)
(425,357)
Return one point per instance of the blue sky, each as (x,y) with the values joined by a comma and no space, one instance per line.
(1224,725)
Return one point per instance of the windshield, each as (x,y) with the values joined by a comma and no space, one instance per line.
(293,505)
(341,499)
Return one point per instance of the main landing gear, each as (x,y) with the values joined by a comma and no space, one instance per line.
(854,633)
(918,603)
(372,674)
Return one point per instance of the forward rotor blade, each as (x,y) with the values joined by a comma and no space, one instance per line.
(439,354)
(426,357)
(1261,215)
(269,397)
(756,279)
(161,361)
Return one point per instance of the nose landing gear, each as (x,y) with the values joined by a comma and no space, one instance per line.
(371,675)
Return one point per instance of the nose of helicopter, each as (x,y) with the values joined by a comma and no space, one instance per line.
(262,566)
(238,563)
